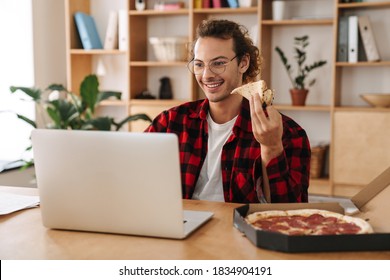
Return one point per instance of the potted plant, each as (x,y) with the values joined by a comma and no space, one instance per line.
(67,110)
(300,87)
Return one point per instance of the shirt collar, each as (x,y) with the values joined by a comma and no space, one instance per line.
(201,110)
(243,122)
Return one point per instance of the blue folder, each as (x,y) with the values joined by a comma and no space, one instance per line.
(87,31)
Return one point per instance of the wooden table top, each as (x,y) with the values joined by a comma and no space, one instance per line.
(22,236)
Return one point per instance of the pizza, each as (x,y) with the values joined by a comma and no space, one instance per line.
(308,222)
(259,87)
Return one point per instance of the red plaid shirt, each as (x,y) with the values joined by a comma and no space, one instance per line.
(241,155)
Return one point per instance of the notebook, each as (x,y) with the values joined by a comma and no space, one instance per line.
(112,182)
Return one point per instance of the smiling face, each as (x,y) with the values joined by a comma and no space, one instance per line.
(209,50)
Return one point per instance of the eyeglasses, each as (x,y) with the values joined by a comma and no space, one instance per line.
(217,66)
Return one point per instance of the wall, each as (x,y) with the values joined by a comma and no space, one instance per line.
(32,53)
(49,42)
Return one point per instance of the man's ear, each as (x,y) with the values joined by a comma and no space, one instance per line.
(244,64)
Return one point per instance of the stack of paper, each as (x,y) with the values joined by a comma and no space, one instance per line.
(14,202)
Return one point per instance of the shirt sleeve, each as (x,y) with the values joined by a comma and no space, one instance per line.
(159,124)
(288,174)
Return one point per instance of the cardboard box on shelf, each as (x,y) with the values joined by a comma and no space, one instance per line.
(373,205)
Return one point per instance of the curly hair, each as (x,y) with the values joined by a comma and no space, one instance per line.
(242,43)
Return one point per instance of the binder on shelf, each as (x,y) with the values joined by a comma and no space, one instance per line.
(111,39)
(123,33)
(368,39)
(87,30)
(342,44)
(353,39)
(361,53)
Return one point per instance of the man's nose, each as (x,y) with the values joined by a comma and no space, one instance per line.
(207,72)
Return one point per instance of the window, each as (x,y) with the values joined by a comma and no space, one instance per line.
(16,68)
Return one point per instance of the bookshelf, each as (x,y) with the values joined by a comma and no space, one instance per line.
(333,103)
(356,157)
(81,63)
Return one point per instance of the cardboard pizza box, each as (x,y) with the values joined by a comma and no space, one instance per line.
(373,203)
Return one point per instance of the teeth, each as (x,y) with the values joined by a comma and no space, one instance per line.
(213,85)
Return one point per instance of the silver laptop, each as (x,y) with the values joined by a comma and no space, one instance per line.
(113,182)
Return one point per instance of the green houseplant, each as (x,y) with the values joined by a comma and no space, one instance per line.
(70,111)
(300,85)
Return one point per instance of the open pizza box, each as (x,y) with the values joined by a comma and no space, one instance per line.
(373,203)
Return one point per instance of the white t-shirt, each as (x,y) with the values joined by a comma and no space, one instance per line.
(209,185)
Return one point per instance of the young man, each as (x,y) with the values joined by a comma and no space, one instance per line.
(230,149)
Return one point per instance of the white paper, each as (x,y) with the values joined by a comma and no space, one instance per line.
(14,202)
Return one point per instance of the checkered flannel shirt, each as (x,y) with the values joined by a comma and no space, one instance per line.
(241,155)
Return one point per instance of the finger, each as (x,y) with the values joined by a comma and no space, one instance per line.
(273,114)
(257,126)
(259,109)
(254,117)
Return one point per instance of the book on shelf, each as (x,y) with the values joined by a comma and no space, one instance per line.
(233,3)
(342,44)
(87,31)
(220,3)
(198,4)
(170,6)
(353,39)
(111,39)
(123,35)
(368,39)
(206,4)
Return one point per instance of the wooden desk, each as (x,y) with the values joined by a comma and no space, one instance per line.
(22,236)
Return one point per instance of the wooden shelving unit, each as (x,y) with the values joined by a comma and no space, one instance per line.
(357,155)
(142,71)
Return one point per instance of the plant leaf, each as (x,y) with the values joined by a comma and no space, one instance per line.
(35,94)
(312,82)
(287,66)
(299,81)
(315,65)
(101,123)
(104,95)
(62,112)
(27,120)
(55,117)
(89,92)
(131,118)
(56,87)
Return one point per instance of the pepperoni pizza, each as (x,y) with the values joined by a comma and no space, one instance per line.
(308,222)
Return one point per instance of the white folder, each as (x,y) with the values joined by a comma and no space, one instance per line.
(111,39)
(368,39)
(353,39)
(123,30)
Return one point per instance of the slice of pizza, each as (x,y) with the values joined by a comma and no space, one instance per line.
(259,87)
(308,222)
